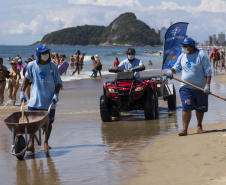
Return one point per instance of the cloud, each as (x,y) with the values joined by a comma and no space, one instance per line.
(205,19)
(215,6)
(115,3)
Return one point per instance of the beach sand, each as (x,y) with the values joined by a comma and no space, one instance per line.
(195,159)
(87,151)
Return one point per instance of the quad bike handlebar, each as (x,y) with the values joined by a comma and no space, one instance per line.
(135,69)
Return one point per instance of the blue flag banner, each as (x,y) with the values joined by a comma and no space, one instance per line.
(172,49)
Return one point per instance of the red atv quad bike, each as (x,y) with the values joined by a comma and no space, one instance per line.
(127,93)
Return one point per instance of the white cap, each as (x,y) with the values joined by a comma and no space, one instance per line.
(96,56)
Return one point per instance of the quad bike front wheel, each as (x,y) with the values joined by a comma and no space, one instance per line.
(105,112)
(149,109)
(20,146)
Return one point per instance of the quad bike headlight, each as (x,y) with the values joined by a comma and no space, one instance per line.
(138,88)
(111,90)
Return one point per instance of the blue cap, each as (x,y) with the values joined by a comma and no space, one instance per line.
(40,49)
(190,42)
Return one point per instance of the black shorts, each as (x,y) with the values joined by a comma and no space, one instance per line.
(98,68)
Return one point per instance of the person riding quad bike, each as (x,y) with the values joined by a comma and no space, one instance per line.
(131,62)
(128,91)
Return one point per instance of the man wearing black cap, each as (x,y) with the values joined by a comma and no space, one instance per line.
(46,84)
(131,62)
(196,69)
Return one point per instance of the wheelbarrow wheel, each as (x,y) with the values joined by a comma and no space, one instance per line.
(20,146)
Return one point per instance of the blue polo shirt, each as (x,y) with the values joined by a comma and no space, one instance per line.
(126,65)
(44,81)
(194,67)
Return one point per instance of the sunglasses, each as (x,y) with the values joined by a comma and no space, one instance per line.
(185,45)
(13,64)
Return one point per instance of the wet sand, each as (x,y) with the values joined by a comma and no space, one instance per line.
(87,151)
(192,159)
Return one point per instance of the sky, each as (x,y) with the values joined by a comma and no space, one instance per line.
(24,22)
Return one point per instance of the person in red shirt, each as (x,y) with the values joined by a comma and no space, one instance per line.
(215,55)
(116,63)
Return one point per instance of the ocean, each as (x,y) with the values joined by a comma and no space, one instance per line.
(107,55)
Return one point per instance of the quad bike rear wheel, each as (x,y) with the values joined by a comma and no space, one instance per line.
(149,109)
(172,101)
(156,104)
(105,112)
(20,146)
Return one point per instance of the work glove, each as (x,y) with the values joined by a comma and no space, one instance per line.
(22,96)
(207,89)
(55,98)
(169,74)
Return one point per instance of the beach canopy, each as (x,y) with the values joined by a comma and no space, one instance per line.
(175,34)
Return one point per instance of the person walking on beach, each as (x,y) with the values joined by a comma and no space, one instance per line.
(13,84)
(98,65)
(20,64)
(28,60)
(150,62)
(196,69)
(131,62)
(32,57)
(81,59)
(72,62)
(94,74)
(56,59)
(215,56)
(46,84)
(4,73)
(116,63)
(222,59)
(76,62)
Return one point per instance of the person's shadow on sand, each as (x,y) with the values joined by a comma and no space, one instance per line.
(210,131)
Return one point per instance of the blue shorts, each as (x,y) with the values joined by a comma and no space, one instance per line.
(51,114)
(193,99)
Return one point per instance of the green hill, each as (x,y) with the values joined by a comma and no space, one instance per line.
(124,30)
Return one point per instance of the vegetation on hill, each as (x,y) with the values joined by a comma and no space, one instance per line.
(126,29)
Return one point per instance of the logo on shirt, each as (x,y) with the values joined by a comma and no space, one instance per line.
(42,75)
(188,64)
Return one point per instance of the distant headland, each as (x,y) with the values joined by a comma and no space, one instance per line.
(126,30)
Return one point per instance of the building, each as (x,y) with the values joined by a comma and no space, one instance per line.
(162,34)
(221,38)
(157,31)
(206,43)
(210,41)
(214,40)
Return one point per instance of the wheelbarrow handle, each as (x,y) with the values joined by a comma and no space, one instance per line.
(50,106)
(22,107)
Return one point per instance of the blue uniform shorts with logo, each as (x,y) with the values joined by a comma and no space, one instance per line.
(193,99)
(51,114)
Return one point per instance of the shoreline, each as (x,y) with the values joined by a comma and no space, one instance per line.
(103,44)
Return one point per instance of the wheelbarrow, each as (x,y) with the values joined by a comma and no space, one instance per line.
(23,123)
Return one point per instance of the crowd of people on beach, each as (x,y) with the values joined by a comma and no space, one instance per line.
(218,59)
(76,62)
(14,75)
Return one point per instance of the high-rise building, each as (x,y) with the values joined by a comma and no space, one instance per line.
(162,34)
(210,41)
(221,38)
(214,40)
